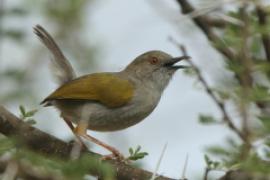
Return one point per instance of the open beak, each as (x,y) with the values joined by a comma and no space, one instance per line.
(171,63)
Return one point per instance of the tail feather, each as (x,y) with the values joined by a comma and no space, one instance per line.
(64,71)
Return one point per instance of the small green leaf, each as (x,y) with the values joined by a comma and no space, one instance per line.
(215,164)
(22,110)
(267,152)
(265,121)
(235,166)
(137,149)
(6,145)
(218,151)
(138,156)
(206,119)
(267,142)
(135,155)
(207,160)
(141,155)
(260,93)
(130,151)
(31,113)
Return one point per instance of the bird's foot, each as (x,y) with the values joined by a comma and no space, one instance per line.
(80,130)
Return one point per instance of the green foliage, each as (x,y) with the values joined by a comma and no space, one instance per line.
(262,66)
(266,122)
(222,94)
(87,162)
(27,116)
(256,46)
(15,11)
(234,66)
(210,164)
(16,35)
(260,93)
(267,142)
(254,163)
(231,36)
(206,119)
(6,145)
(136,154)
(231,157)
(69,169)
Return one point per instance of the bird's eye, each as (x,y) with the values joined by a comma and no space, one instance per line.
(154,60)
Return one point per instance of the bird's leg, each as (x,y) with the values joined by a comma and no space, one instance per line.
(81,130)
(70,125)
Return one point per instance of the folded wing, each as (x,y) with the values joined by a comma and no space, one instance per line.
(105,88)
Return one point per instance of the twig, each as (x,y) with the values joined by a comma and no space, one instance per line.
(184,169)
(220,104)
(41,142)
(201,22)
(154,176)
(206,172)
(216,22)
(245,75)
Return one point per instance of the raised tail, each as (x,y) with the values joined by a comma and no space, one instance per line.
(63,70)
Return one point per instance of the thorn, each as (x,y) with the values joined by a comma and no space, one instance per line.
(184,169)
(159,161)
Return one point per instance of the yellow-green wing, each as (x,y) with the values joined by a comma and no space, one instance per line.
(105,88)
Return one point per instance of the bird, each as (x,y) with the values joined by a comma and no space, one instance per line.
(109,101)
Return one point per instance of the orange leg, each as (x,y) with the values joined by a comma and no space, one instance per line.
(70,125)
(81,130)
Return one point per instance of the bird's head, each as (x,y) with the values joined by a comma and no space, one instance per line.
(155,66)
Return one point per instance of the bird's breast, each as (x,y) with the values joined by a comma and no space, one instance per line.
(101,118)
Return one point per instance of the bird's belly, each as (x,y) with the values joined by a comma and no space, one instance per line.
(101,118)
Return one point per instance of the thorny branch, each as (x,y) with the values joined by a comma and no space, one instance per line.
(244,77)
(220,104)
(215,22)
(41,142)
(201,22)
(206,172)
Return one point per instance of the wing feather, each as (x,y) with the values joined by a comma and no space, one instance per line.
(105,88)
